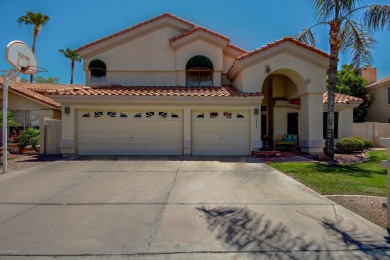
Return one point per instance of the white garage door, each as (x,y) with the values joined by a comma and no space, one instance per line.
(220,132)
(115,132)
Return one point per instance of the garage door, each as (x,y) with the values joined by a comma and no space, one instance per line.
(220,133)
(116,132)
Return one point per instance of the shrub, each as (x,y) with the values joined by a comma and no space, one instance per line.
(350,144)
(29,137)
(367,143)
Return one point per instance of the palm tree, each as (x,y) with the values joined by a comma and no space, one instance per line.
(37,20)
(74,57)
(345,34)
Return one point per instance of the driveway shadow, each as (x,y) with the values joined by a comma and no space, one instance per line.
(255,234)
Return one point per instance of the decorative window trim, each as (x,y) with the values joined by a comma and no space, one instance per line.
(111,114)
(163,114)
(150,114)
(98,114)
(123,115)
(88,114)
(240,116)
(174,115)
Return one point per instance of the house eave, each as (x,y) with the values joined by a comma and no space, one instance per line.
(157,100)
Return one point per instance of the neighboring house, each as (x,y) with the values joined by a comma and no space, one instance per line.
(169,87)
(379,110)
(29,105)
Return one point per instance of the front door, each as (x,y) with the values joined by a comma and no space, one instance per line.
(292,123)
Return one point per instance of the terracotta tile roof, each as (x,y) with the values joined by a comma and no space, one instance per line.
(237,48)
(135,27)
(195,29)
(27,90)
(222,91)
(341,98)
(381,81)
(278,42)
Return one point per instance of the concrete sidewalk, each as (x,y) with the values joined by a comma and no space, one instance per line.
(175,208)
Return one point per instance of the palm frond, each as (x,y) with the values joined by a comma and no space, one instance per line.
(71,54)
(377,17)
(306,36)
(359,40)
(327,9)
(324,8)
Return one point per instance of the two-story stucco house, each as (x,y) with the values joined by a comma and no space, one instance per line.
(379,110)
(169,87)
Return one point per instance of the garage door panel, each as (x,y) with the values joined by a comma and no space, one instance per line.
(221,126)
(124,149)
(126,137)
(220,132)
(218,138)
(159,134)
(114,125)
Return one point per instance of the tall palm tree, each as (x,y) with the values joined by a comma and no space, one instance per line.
(74,57)
(346,33)
(37,20)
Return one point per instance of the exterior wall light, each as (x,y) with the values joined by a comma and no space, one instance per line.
(67,110)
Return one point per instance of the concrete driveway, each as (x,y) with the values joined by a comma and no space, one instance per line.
(175,208)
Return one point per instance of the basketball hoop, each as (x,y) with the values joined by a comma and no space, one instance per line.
(23,60)
(32,70)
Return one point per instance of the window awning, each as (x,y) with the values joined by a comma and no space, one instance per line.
(199,61)
(97,65)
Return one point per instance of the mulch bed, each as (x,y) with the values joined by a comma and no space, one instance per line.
(370,208)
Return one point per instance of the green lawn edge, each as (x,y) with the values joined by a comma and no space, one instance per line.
(367,178)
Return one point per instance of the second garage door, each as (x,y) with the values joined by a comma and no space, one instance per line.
(220,133)
(154,132)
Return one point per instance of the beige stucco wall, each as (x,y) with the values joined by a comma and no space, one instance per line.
(305,75)
(18,102)
(200,47)
(280,119)
(345,123)
(150,60)
(379,110)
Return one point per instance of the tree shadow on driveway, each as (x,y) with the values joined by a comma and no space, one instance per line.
(246,231)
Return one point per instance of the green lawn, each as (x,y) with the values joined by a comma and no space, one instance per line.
(367,178)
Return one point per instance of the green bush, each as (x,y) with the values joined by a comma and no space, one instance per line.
(367,143)
(350,144)
(29,137)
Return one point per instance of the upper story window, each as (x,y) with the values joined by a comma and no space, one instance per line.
(98,71)
(199,71)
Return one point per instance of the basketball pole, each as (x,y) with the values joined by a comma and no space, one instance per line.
(12,74)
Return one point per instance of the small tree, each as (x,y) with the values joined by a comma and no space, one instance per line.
(74,57)
(29,137)
(349,82)
(11,119)
(40,79)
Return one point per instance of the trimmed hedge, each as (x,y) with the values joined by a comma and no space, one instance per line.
(350,144)
(367,143)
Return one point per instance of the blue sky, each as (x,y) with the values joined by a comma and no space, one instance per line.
(248,23)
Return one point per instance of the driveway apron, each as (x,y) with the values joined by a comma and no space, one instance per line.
(173,207)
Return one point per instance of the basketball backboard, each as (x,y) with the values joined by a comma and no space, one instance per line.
(21,57)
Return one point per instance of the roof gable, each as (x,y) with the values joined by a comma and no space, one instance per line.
(287,45)
(380,83)
(199,33)
(118,38)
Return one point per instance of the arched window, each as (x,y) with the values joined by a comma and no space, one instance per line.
(199,71)
(98,71)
